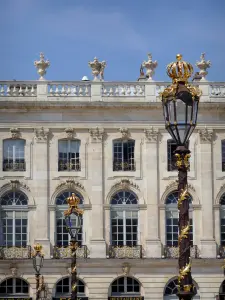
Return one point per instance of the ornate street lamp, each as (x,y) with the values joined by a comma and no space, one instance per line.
(73,218)
(38,260)
(180,107)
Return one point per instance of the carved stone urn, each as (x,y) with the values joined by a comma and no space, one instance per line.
(97,68)
(150,66)
(41,66)
(203,65)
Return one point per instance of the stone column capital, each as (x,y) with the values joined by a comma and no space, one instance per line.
(41,134)
(152,135)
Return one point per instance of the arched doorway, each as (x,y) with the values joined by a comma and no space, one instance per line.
(171,290)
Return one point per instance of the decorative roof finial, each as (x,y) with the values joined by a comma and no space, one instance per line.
(97,68)
(150,66)
(203,65)
(42,65)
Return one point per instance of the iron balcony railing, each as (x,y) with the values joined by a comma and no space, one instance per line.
(14,166)
(128,165)
(61,252)
(14,252)
(64,165)
(124,251)
(173,252)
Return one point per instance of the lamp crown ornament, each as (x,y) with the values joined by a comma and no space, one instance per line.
(41,65)
(179,70)
(38,247)
(97,68)
(150,66)
(73,202)
(203,65)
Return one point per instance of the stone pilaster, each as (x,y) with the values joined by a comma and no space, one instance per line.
(208,244)
(153,244)
(98,246)
(41,188)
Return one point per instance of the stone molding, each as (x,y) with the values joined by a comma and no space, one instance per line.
(41,134)
(15,185)
(152,135)
(15,133)
(70,132)
(206,135)
(124,132)
(97,134)
(125,184)
(70,184)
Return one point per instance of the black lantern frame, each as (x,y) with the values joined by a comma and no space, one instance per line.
(73,224)
(180,114)
(38,260)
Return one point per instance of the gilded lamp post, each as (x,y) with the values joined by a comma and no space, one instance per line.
(180,107)
(38,259)
(73,218)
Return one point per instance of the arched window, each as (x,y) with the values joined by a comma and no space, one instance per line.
(14,218)
(125,286)
(222,220)
(63,288)
(223,154)
(124,219)
(69,155)
(123,155)
(172,219)
(14,155)
(14,287)
(62,235)
(171,290)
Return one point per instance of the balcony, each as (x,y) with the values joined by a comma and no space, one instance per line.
(124,251)
(69,166)
(15,252)
(14,166)
(124,165)
(173,252)
(65,252)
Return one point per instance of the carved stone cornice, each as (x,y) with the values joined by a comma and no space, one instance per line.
(125,132)
(70,133)
(152,135)
(15,185)
(206,135)
(125,183)
(41,134)
(70,184)
(15,133)
(96,134)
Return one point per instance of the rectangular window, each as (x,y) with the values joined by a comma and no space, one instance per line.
(14,155)
(69,155)
(172,229)
(223,155)
(124,228)
(14,228)
(123,155)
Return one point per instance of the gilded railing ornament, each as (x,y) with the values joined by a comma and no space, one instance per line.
(183,196)
(184,232)
(179,71)
(184,271)
(73,203)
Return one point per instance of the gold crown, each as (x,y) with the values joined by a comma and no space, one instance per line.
(73,200)
(180,70)
(38,247)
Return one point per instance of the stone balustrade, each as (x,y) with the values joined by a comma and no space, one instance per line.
(143,91)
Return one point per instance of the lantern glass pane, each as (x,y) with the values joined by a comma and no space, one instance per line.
(38,262)
(195,112)
(172,111)
(181,111)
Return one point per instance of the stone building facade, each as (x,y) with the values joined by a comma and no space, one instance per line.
(106,142)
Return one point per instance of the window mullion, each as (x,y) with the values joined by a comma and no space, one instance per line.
(124,228)
(68,151)
(13,229)
(125,284)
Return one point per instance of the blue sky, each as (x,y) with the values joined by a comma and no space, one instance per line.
(122,32)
